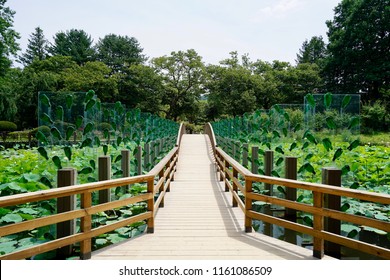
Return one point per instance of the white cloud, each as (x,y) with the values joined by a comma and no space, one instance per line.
(279,9)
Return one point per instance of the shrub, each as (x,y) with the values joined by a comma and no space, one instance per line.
(104,126)
(375,117)
(7,126)
(43,128)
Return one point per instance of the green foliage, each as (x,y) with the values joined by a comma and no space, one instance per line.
(74,43)
(7,126)
(9,45)
(37,48)
(119,52)
(375,117)
(357,45)
(183,76)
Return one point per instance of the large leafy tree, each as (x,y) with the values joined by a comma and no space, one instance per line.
(183,74)
(40,75)
(91,75)
(74,43)
(8,38)
(141,87)
(37,48)
(359,47)
(119,52)
(232,91)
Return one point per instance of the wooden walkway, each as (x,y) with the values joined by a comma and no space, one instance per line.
(198,221)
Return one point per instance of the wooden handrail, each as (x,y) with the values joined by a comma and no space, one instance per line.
(166,168)
(208,129)
(233,173)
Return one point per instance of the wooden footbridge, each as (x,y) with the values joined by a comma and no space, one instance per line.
(199,206)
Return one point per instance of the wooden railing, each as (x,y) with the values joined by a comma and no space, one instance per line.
(158,183)
(239,181)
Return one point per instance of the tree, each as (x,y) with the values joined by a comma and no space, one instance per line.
(74,43)
(92,75)
(37,48)
(8,37)
(119,52)
(40,75)
(141,87)
(359,47)
(183,74)
(8,101)
(232,91)
(313,51)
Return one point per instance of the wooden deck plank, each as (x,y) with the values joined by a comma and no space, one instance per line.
(198,221)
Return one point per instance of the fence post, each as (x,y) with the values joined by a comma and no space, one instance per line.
(245,149)
(248,205)
(138,156)
(66,177)
(152,155)
(104,165)
(146,156)
(125,165)
(291,193)
(255,159)
(318,225)
(332,176)
(268,167)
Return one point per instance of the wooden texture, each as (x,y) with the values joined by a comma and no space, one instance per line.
(198,221)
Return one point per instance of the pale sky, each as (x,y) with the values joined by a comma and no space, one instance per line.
(265,29)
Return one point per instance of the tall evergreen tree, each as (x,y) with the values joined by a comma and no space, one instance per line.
(119,52)
(74,43)
(37,48)
(313,51)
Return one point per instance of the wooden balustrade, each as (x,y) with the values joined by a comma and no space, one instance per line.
(239,181)
(157,181)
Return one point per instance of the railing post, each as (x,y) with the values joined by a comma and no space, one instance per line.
(245,150)
(291,193)
(86,226)
(235,188)
(248,205)
(318,225)
(255,159)
(268,167)
(217,155)
(150,189)
(66,177)
(125,165)
(169,173)
(104,165)
(227,165)
(332,176)
(161,189)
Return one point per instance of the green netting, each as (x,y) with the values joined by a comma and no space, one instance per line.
(77,124)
